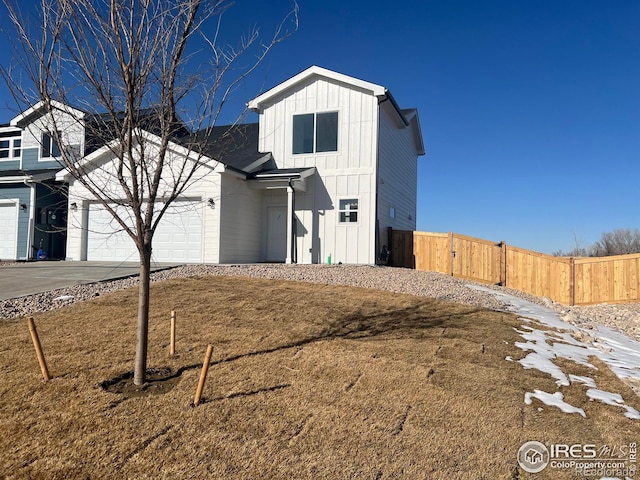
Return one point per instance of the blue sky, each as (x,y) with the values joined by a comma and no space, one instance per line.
(530,109)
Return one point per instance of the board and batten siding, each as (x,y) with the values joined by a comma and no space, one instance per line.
(240,221)
(397,176)
(347,173)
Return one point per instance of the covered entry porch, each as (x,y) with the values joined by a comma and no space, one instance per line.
(280,187)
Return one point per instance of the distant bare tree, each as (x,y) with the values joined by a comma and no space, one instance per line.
(128,65)
(618,242)
(578,250)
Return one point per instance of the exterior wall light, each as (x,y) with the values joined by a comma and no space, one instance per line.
(211,202)
(74,206)
(23,207)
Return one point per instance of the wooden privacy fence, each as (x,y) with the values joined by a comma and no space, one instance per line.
(567,280)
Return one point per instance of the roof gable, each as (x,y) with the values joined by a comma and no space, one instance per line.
(39,109)
(377,90)
(107,153)
(234,146)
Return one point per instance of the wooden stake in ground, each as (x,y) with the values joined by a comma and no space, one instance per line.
(172,344)
(203,375)
(38,347)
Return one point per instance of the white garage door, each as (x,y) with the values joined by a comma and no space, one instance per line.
(178,238)
(8,230)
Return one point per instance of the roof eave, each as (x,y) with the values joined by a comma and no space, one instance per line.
(27,177)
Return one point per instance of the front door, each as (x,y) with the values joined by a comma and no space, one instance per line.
(276,234)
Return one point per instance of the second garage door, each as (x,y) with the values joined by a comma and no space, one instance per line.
(8,230)
(178,238)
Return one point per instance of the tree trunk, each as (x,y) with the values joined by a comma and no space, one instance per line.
(142,332)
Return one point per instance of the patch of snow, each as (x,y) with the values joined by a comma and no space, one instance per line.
(552,399)
(619,352)
(63,298)
(509,358)
(544,350)
(588,381)
(528,309)
(542,362)
(614,399)
(605,397)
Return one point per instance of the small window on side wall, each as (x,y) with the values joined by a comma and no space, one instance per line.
(348,210)
(315,132)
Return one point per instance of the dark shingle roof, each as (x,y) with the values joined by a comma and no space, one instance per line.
(233,145)
(101,128)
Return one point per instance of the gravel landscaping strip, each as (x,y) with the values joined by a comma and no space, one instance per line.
(621,317)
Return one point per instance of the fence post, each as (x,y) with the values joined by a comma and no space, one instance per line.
(413,249)
(503,263)
(452,254)
(572,281)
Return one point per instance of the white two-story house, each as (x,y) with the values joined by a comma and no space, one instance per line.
(330,166)
(362,148)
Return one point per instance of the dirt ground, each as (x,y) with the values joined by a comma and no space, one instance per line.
(306,381)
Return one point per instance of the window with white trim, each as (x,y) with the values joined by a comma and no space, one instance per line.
(348,211)
(17,147)
(10,145)
(49,146)
(315,132)
(5,148)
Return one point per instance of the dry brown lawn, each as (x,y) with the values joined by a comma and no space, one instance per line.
(306,381)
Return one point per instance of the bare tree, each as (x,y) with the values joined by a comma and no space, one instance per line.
(621,241)
(618,242)
(578,250)
(134,69)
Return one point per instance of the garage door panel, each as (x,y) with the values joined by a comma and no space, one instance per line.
(8,231)
(178,237)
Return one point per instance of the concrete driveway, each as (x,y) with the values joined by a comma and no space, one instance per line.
(22,279)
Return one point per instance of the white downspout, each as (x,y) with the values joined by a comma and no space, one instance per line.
(32,216)
(290,193)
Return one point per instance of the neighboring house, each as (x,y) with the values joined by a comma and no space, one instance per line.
(33,206)
(331,165)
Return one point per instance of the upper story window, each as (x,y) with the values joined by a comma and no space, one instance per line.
(49,146)
(10,147)
(5,148)
(17,147)
(315,132)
